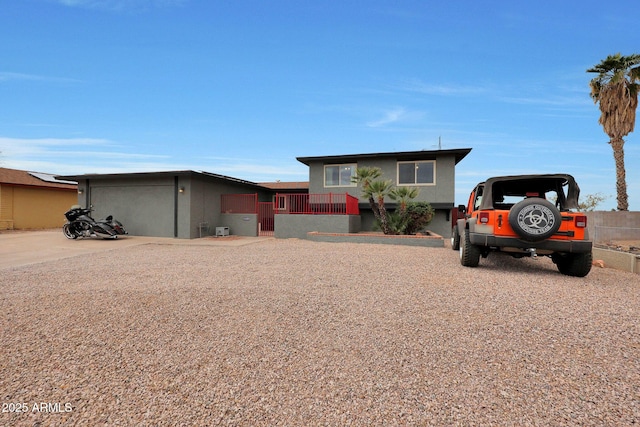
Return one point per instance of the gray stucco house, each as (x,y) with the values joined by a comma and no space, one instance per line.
(431,171)
(189,204)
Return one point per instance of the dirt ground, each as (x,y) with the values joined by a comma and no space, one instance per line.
(164,332)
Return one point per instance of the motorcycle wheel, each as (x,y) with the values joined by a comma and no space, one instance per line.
(68,232)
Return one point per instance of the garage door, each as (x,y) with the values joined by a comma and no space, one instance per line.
(144,210)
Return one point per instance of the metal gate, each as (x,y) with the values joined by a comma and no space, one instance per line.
(265,219)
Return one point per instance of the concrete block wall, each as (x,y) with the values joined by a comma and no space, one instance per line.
(605,226)
(297,226)
(239,224)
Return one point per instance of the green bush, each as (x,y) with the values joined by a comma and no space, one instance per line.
(413,219)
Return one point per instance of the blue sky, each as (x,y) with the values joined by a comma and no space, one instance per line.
(243,87)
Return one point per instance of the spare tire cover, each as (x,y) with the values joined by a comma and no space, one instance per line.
(534,219)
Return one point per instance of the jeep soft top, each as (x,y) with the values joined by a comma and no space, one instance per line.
(497,188)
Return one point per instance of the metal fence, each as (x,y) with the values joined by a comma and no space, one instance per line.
(265,219)
(303,203)
(239,203)
(316,204)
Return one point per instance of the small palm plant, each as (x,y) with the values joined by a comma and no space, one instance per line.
(407,218)
(403,195)
(399,220)
(379,190)
(365,176)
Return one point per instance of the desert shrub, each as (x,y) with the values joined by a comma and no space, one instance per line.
(411,220)
(417,216)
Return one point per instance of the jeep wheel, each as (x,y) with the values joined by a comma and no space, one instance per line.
(469,253)
(534,219)
(577,265)
(455,238)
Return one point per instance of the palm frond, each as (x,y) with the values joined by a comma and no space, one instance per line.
(364,175)
(634,74)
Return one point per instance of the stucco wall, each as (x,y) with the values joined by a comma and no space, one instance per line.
(441,223)
(297,226)
(239,224)
(33,208)
(206,206)
(145,207)
(442,192)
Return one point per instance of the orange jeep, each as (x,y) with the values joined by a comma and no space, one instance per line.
(525,215)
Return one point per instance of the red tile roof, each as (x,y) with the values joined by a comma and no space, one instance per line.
(20,177)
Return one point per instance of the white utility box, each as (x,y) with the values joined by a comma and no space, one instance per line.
(222,231)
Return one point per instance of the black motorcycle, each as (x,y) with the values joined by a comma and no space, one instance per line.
(80,224)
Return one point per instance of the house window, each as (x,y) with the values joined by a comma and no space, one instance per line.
(415,173)
(339,175)
(280,202)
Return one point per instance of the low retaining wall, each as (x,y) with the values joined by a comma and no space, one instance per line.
(432,241)
(619,260)
(239,224)
(297,226)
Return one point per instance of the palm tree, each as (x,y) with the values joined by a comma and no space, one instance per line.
(616,89)
(365,176)
(379,190)
(403,194)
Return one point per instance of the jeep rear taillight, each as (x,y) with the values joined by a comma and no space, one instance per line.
(483,217)
(581,221)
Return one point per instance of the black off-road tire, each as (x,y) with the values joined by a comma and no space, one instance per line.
(469,253)
(535,219)
(576,265)
(455,238)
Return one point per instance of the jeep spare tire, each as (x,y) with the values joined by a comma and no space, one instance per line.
(534,219)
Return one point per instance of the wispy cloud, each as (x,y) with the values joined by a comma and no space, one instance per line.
(92,155)
(256,170)
(389,117)
(71,155)
(418,86)
(558,101)
(7,76)
(28,145)
(120,5)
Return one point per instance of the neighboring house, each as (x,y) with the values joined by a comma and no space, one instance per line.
(431,171)
(33,200)
(182,204)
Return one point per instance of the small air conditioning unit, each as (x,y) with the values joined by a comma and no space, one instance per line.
(222,231)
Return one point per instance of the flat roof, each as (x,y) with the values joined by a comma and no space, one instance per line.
(458,153)
(136,175)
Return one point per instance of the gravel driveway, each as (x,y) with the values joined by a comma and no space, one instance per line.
(291,332)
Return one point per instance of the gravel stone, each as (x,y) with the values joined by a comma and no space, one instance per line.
(297,333)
